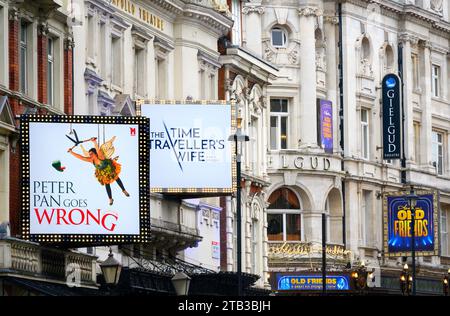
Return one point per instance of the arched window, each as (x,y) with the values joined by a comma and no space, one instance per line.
(279,37)
(284,216)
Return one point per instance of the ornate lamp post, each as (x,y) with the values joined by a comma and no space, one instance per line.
(360,276)
(412,201)
(445,282)
(239,138)
(406,280)
(181,283)
(111,269)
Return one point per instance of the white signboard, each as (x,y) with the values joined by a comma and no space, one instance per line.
(189,147)
(84,179)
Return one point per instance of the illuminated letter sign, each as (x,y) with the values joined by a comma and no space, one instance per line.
(312,282)
(391,117)
(85,179)
(189,147)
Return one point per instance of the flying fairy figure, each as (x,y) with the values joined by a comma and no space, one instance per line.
(107,169)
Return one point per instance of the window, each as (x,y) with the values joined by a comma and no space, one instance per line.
(438,152)
(161,78)
(23,57)
(139,71)
(367,218)
(278,123)
(116,57)
(103,50)
(279,37)
(435,80)
(444,232)
(212,87)
(365,134)
(237,26)
(415,70)
(255,241)
(90,33)
(3,39)
(202,75)
(4,182)
(416,142)
(283,216)
(50,71)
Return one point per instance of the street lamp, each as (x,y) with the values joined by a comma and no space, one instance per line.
(412,198)
(445,282)
(181,283)
(238,139)
(111,269)
(359,276)
(406,280)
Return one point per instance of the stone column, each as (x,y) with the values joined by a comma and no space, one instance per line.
(252,26)
(330,26)
(408,81)
(308,111)
(426,126)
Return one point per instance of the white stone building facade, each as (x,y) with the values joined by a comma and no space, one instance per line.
(131,50)
(301,39)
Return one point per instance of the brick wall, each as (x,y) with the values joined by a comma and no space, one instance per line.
(68,79)
(42,67)
(14,164)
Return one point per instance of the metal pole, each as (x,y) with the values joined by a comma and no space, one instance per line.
(324,255)
(413,249)
(341,121)
(402,104)
(238,220)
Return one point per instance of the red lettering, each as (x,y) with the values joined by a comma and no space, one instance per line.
(113,226)
(77,217)
(61,214)
(71,218)
(44,214)
(90,215)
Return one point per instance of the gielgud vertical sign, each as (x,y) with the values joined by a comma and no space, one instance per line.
(391,117)
(85,179)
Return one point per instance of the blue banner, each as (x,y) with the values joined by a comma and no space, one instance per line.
(326,125)
(312,282)
(399,225)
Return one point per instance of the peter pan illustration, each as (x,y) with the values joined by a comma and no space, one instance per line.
(107,169)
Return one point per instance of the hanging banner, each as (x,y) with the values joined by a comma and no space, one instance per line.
(325,124)
(391,117)
(398,227)
(85,179)
(190,148)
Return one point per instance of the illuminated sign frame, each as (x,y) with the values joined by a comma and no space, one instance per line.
(392,124)
(144,170)
(198,191)
(435,224)
(302,282)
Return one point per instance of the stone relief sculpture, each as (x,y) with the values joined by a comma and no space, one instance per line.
(221,6)
(437,5)
(363,54)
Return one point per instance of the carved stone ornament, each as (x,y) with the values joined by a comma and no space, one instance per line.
(436,5)
(247,9)
(310,11)
(413,40)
